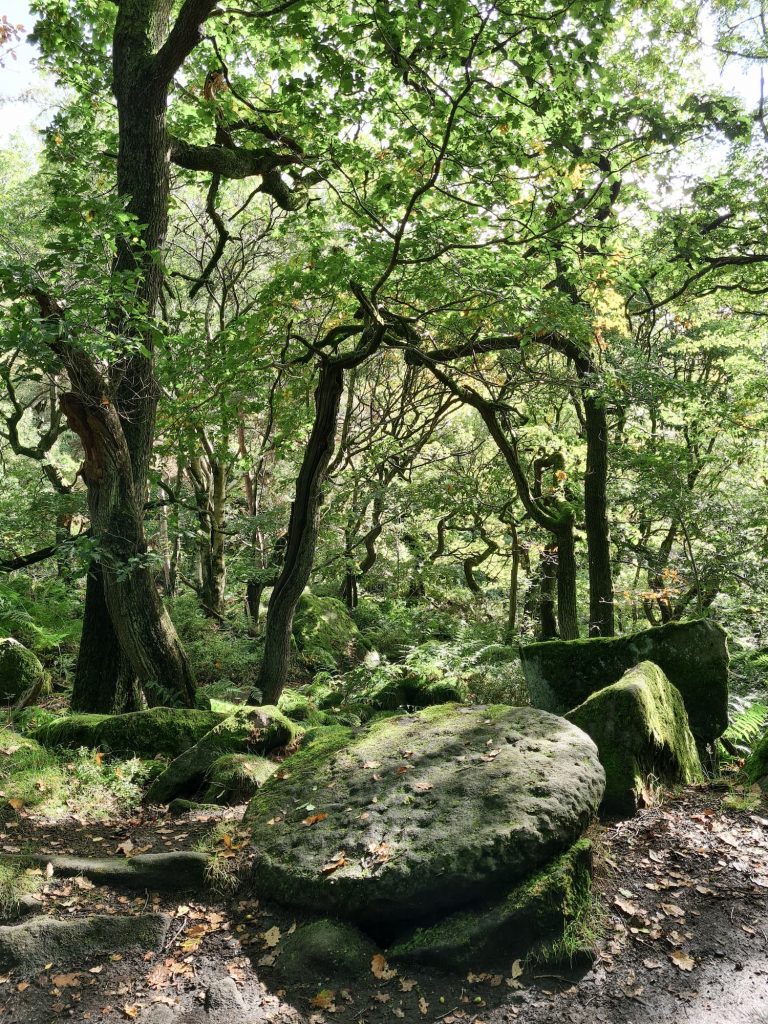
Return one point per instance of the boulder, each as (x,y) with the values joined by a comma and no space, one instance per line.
(422,813)
(325,634)
(325,949)
(532,913)
(41,941)
(20,672)
(248,730)
(756,765)
(234,778)
(561,674)
(641,730)
(167,731)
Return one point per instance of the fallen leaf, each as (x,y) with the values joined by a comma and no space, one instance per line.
(338,861)
(423,1006)
(407,984)
(382,997)
(324,1000)
(672,910)
(423,786)
(314,818)
(15,803)
(271,937)
(22,986)
(381,969)
(682,960)
(66,980)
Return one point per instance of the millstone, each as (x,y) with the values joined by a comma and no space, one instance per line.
(422,813)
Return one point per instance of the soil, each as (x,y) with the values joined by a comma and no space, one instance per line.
(684,887)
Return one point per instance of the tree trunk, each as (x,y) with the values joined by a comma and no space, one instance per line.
(567,611)
(302,534)
(601,613)
(118,444)
(104,681)
(547,584)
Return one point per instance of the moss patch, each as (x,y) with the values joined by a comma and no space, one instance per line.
(234,778)
(248,731)
(537,911)
(20,670)
(167,731)
(641,730)
(325,634)
(325,949)
(422,812)
(692,655)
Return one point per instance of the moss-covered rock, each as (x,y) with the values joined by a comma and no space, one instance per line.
(43,941)
(424,812)
(325,634)
(234,778)
(756,765)
(641,730)
(536,911)
(561,674)
(248,731)
(167,731)
(20,671)
(325,949)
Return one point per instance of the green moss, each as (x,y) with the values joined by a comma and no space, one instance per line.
(20,670)
(249,730)
(756,765)
(534,913)
(73,731)
(325,634)
(693,655)
(325,949)
(235,778)
(641,730)
(167,731)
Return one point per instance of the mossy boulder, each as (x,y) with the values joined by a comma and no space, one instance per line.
(756,765)
(561,674)
(641,730)
(537,911)
(234,778)
(167,731)
(249,730)
(43,941)
(421,813)
(326,636)
(20,671)
(325,949)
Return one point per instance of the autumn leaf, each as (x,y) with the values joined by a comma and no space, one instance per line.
(324,1000)
(407,984)
(271,937)
(423,786)
(15,803)
(131,1012)
(381,969)
(338,861)
(66,980)
(672,910)
(423,1006)
(682,960)
(314,818)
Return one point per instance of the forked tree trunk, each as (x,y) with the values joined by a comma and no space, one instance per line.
(302,534)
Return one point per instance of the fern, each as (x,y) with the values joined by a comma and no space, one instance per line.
(748,724)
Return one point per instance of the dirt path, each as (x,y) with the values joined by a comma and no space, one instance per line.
(684,885)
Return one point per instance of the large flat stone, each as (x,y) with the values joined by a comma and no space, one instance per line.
(422,813)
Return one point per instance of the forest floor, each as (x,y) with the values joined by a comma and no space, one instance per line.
(684,887)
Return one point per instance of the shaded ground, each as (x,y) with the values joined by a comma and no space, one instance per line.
(685,891)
